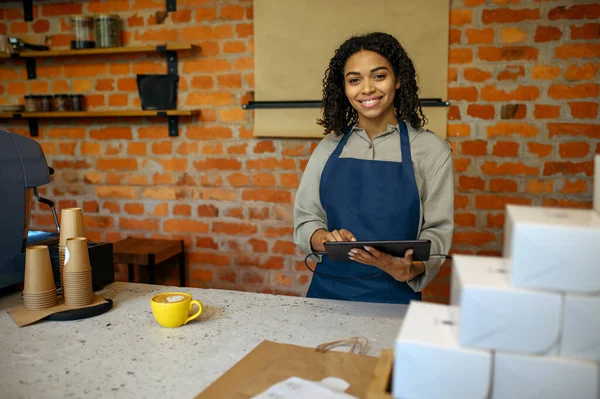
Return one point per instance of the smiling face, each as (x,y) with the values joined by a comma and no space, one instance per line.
(370,86)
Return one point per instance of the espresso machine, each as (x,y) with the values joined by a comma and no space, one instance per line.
(23,168)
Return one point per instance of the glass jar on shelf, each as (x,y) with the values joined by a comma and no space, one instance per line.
(107,29)
(82,28)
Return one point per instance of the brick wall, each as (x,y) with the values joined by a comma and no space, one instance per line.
(523,81)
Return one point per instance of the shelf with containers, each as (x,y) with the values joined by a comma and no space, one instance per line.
(153,104)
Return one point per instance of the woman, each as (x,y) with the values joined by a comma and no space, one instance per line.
(377,175)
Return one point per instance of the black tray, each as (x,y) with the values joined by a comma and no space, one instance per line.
(83,313)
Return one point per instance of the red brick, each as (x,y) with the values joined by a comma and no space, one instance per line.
(481,111)
(506,149)
(543,111)
(461,201)
(574,187)
(503,186)
(541,150)
(267,195)
(466,183)
(263,147)
(522,93)
(452,75)
(264,180)
(583,11)
(454,36)
(271,164)
(574,150)
(207,211)
(460,17)
(475,148)
(582,90)
(476,75)
(568,168)
(134,208)
(513,111)
(561,203)
(116,164)
(461,130)
(462,93)
(583,72)
(511,72)
(185,226)
(498,202)
(508,15)
(508,168)
(461,164)
(508,53)
(218,163)
(61,9)
(495,220)
(465,219)
(208,133)
(244,30)
(545,34)
(539,186)
(574,129)
(579,50)
(480,36)
(513,35)
(585,32)
(510,128)
(453,113)
(545,72)
(209,258)
(460,56)
(583,110)
(476,238)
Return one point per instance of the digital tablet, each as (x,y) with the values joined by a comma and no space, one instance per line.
(337,251)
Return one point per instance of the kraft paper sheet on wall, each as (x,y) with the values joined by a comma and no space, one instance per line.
(295,39)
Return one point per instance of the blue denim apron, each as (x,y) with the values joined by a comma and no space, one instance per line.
(375,200)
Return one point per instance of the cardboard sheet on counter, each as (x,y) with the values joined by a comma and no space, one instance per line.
(23,317)
(272,362)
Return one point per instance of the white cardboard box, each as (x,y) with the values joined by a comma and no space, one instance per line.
(534,377)
(597,184)
(495,315)
(581,327)
(428,362)
(553,248)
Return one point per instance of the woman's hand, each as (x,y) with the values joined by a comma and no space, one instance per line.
(321,236)
(401,269)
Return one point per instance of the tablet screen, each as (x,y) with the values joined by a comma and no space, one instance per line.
(337,251)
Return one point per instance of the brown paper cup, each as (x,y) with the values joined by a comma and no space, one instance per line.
(71,224)
(38,270)
(77,258)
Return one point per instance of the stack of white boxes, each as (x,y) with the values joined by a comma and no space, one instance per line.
(524,325)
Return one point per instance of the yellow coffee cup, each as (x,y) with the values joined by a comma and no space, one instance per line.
(172,309)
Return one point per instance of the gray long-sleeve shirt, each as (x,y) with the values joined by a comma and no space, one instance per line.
(432,161)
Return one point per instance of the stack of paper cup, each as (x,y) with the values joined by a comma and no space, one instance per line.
(39,290)
(71,225)
(77,273)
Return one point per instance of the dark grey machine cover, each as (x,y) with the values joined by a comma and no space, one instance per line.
(22,165)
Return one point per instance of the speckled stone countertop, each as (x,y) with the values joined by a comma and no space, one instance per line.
(125,354)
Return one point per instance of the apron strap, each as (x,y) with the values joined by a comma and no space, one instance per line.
(338,149)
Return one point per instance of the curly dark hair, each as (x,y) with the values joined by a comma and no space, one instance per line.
(338,113)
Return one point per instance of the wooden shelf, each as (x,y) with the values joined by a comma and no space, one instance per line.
(111,50)
(101,114)
(32,117)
